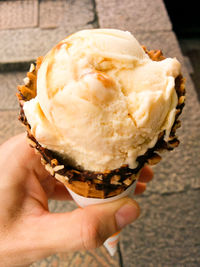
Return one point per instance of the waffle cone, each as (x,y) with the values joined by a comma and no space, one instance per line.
(98,184)
(89,190)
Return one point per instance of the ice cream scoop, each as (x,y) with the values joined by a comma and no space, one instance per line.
(102,101)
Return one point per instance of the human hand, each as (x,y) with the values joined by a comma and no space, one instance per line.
(28,231)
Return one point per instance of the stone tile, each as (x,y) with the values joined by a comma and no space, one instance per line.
(98,257)
(61,206)
(94,258)
(21,45)
(51,13)
(137,15)
(8,89)
(167,232)
(9,125)
(18,14)
(164,40)
(78,13)
(27,44)
(65,13)
(191,49)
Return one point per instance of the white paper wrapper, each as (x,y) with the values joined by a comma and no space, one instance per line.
(111,242)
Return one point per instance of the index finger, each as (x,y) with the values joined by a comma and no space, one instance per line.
(146,174)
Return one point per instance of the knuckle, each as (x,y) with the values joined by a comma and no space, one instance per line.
(91,235)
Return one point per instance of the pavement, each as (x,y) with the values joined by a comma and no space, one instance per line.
(168,230)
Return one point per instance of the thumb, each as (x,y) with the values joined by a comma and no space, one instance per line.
(84,228)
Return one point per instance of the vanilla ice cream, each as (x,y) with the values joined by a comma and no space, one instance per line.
(101,101)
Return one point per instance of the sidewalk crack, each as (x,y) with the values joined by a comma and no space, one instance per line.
(95,21)
(121,264)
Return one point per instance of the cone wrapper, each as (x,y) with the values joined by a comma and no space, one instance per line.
(111,242)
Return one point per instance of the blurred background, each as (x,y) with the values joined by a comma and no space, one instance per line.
(168,230)
(186,25)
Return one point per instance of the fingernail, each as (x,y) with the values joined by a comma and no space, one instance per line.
(126,214)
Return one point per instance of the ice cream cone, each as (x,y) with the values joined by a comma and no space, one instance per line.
(98,184)
(110,243)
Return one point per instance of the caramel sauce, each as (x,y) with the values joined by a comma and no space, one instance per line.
(51,92)
(39,62)
(105,80)
(40,111)
(102,77)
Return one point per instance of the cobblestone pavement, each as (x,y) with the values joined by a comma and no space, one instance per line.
(168,231)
